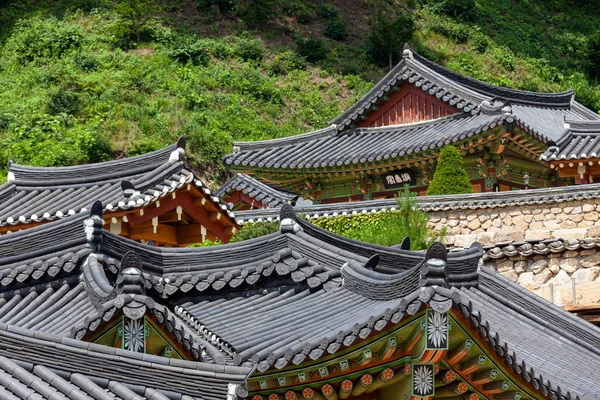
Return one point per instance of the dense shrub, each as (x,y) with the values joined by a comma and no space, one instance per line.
(63,101)
(407,221)
(285,62)
(450,176)
(190,50)
(224,6)
(86,62)
(312,49)
(253,230)
(42,37)
(327,11)
(136,18)
(463,9)
(249,49)
(337,29)
(258,13)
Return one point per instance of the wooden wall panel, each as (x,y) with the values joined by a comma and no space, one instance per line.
(409,104)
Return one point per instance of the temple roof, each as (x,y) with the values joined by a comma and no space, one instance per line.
(238,306)
(462,91)
(39,194)
(264,194)
(580,140)
(483,106)
(38,365)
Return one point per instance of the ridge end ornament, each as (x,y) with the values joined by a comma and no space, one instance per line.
(93,226)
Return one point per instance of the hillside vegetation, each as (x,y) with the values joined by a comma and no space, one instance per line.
(90,80)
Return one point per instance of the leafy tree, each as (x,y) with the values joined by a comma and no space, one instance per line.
(594,55)
(387,37)
(462,9)
(450,175)
(135,16)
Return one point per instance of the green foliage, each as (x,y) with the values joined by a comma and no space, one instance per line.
(385,228)
(593,56)
(249,49)
(462,9)
(63,101)
(327,12)
(88,80)
(450,176)
(252,230)
(225,6)
(337,29)
(39,38)
(258,13)
(312,49)
(136,18)
(387,37)
(285,62)
(190,50)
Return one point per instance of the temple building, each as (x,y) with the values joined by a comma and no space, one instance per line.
(300,314)
(392,136)
(152,197)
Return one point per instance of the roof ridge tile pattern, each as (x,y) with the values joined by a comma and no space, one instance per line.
(41,194)
(580,140)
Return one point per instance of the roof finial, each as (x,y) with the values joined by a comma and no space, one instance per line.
(11,175)
(433,272)
(181,142)
(405,244)
(179,153)
(130,279)
(128,189)
(407,51)
(372,262)
(93,226)
(289,223)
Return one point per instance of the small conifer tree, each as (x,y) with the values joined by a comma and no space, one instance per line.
(450,175)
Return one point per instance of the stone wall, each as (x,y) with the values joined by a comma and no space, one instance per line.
(557,273)
(562,266)
(565,220)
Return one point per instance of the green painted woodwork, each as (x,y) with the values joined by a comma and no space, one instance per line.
(156,340)
(390,349)
(342,182)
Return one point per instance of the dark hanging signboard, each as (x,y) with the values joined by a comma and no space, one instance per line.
(397,179)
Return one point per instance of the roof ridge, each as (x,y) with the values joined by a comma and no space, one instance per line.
(241,146)
(533,98)
(87,173)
